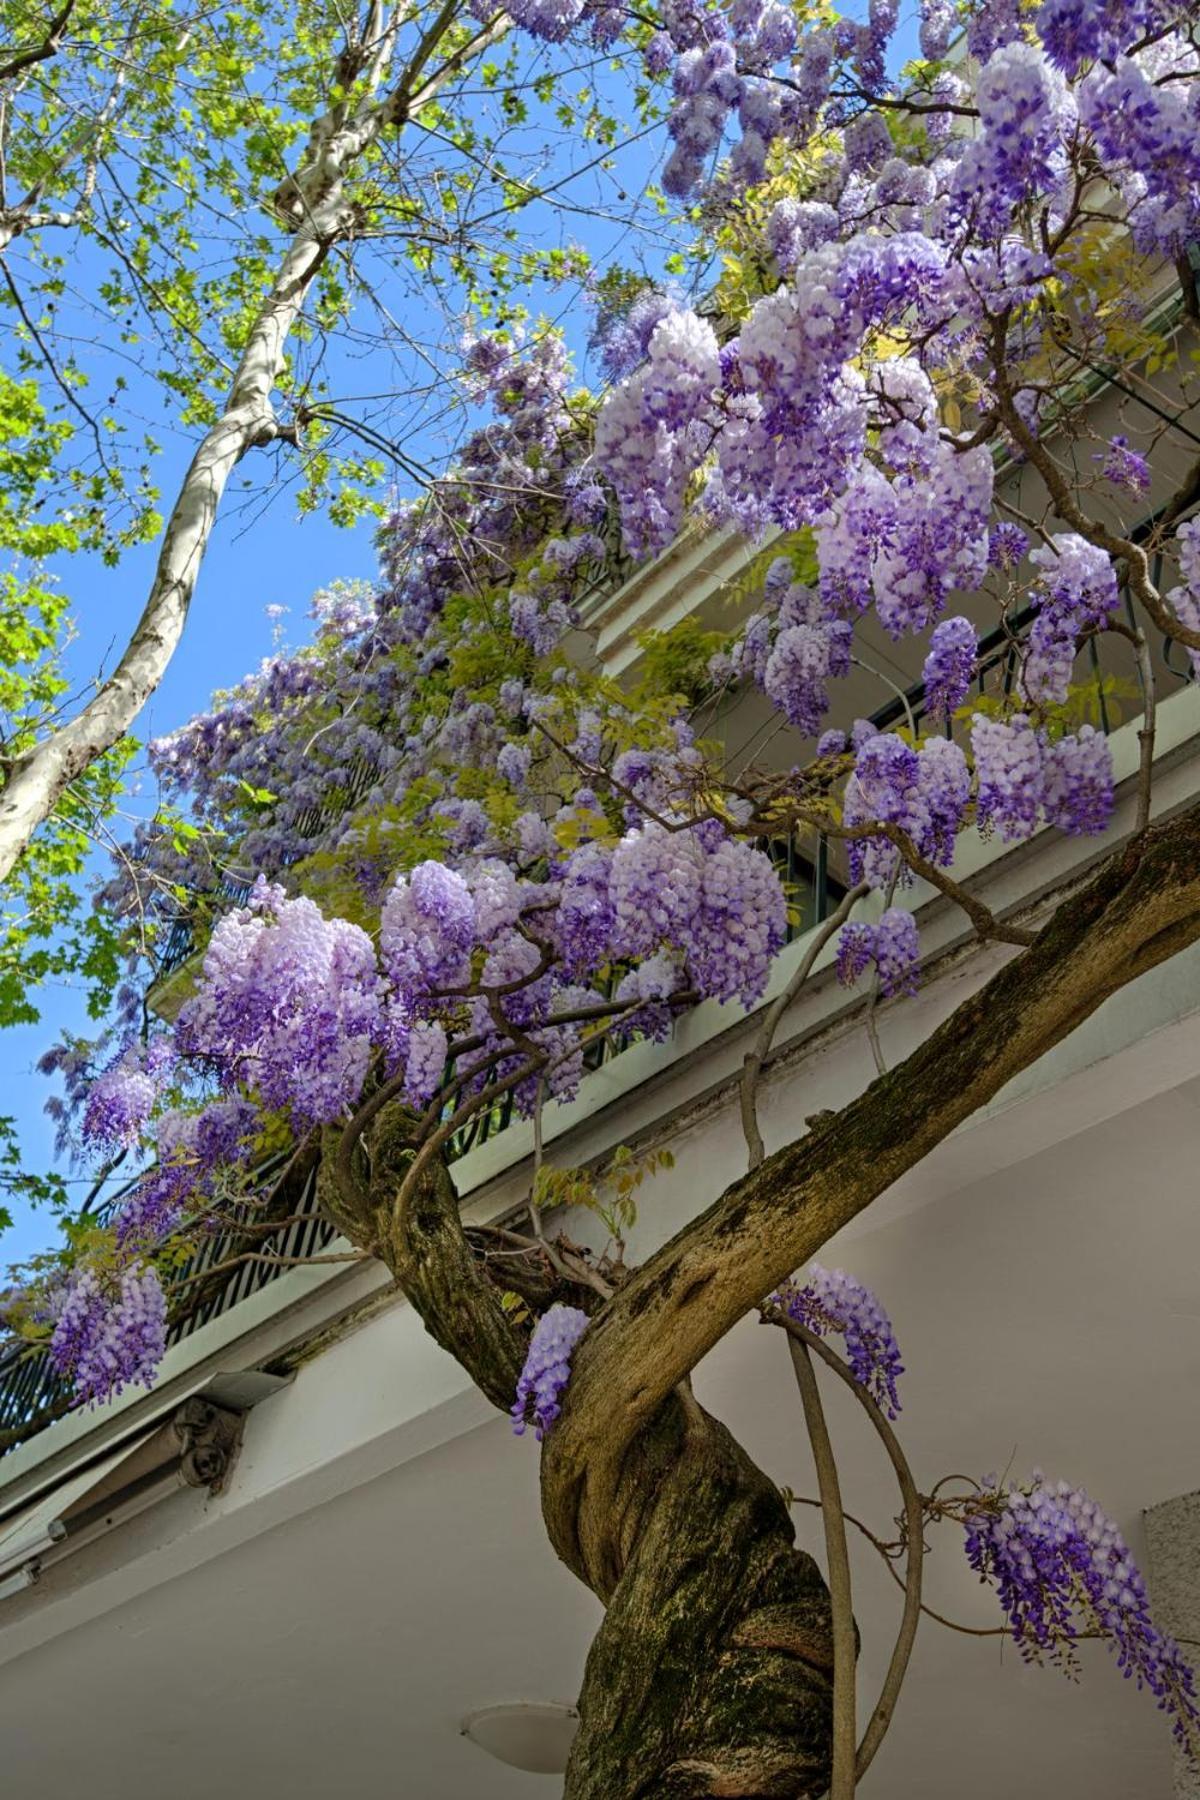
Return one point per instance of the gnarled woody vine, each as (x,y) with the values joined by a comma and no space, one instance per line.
(532,860)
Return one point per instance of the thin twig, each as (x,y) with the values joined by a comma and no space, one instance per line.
(1145,667)
(535,1211)
(842,1781)
(756,1057)
(872,1025)
(265,1256)
(885,1706)
(870,669)
(25,59)
(885,1554)
(981,916)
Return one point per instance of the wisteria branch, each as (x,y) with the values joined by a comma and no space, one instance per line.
(842,1782)
(914,1520)
(1124,548)
(757,1056)
(1142,907)
(271,1260)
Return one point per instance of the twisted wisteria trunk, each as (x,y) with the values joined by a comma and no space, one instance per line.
(711,1674)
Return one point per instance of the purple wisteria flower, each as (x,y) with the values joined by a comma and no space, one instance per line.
(547,1368)
(923,792)
(1061,1567)
(1079,31)
(797,226)
(1077,783)
(1008,765)
(1077,580)
(830,1300)
(892,944)
(109,1331)
(428,930)
(1026,112)
(716,898)
(291,1002)
(897,952)
(1124,467)
(1022,776)
(1184,600)
(937,27)
(119,1104)
(1076,592)
(1008,545)
(153,1208)
(513,763)
(949,666)
(855,951)
(427,1050)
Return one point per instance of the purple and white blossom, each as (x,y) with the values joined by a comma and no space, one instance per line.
(1008,769)
(109,1331)
(891,944)
(1077,783)
(291,1003)
(1123,466)
(830,1300)
(1061,1567)
(119,1103)
(547,1368)
(950,666)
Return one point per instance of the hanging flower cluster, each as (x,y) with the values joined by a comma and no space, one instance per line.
(830,1300)
(547,1368)
(891,945)
(290,1006)
(119,1103)
(1061,1567)
(109,1332)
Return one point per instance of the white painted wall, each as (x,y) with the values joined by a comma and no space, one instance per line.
(377,1569)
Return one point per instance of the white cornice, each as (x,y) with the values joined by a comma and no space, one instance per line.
(701,560)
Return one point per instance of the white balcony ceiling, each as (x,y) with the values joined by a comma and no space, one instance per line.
(1048,1314)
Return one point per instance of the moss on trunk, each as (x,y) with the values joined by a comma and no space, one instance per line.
(711,1674)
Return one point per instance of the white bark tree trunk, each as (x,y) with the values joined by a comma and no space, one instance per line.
(314,198)
(37,781)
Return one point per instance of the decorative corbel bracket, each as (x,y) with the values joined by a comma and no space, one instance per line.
(210,1438)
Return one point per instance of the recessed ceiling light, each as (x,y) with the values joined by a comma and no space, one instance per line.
(534,1735)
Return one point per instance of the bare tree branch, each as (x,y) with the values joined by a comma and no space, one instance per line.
(914,1545)
(36,53)
(756,1057)
(842,1781)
